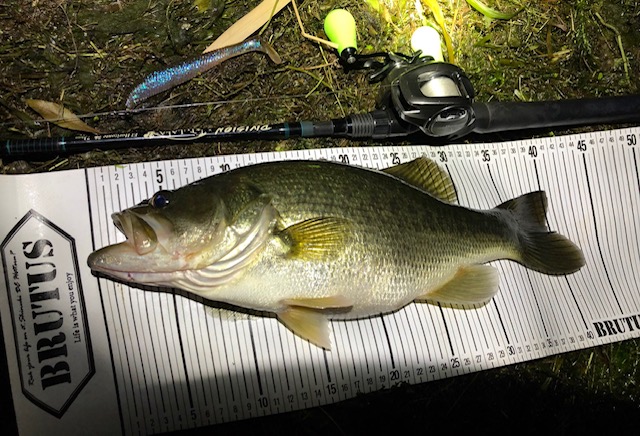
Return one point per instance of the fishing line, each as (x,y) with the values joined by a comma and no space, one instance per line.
(418,96)
(138,111)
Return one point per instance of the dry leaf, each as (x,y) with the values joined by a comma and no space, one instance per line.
(60,116)
(247,25)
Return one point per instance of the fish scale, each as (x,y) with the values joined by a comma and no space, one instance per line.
(332,241)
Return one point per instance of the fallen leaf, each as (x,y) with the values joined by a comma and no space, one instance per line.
(60,116)
(248,24)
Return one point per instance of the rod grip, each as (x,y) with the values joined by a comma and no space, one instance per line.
(499,117)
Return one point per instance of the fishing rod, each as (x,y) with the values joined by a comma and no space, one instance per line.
(371,125)
(420,95)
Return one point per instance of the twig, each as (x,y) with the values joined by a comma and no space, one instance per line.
(625,61)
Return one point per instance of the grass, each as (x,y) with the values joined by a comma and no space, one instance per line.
(89,54)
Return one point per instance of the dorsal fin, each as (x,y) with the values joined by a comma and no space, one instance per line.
(425,174)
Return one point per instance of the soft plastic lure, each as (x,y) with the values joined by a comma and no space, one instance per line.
(160,81)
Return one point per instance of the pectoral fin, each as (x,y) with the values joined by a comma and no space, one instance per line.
(471,284)
(317,238)
(309,324)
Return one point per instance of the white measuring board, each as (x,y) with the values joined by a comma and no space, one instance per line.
(162,360)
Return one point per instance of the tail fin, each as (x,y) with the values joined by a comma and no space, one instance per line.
(542,250)
(268,49)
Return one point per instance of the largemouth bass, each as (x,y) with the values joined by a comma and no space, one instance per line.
(312,241)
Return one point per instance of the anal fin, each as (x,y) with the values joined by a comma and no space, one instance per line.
(471,284)
(309,324)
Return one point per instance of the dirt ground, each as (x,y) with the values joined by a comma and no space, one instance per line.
(89,54)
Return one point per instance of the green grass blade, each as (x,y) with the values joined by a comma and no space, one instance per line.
(488,11)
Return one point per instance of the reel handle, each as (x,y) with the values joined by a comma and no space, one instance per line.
(340,27)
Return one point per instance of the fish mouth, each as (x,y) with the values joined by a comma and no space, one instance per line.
(139,233)
(144,250)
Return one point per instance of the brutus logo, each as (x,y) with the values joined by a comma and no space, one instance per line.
(611,327)
(48,313)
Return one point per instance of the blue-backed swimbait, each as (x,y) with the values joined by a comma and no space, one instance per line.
(160,81)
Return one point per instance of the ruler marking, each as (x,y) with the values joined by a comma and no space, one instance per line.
(366,359)
(120,317)
(632,259)
(386,335)
(611,229)
(326,365)
(103,306)
(510,318)
(335,326)
(181,345)
(239,348)
(542,309)
(455,187)
(635,162)
(159,405)
(597,234)
(126,353)
(135,328)
(504,330)
(173,379)
(626,231)
(255,361)
(295,344)
(412,323)
(197,349)
(274,364)
(403,333)
(140,349)
(637,174)
(480,323)
(468,323)
(446,328)
(622,232)
(611,243)
(460,176)
(268,347)
(493,182)
(603,253)
(424,336)
(435,330)
(550,283)
(313,367)
(473,196)
(375,340)
(206,362)
(561,220)
(210,342)
(514,310)
(226,358)
(286,372)
(581,236)
(350,348)
(498,312)
(459,331)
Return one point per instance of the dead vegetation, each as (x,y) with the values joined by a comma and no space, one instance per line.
(89,54)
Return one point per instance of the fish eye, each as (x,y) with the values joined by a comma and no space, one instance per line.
(159,200)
